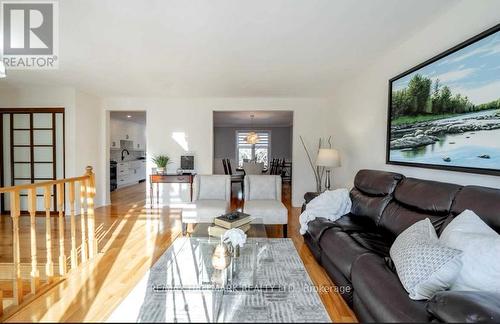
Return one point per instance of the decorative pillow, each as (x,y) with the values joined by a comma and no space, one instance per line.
(424,266)
(481,258)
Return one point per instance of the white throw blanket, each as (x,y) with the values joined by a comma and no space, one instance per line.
(330,205)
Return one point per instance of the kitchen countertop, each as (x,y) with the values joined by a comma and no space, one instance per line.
(131,160)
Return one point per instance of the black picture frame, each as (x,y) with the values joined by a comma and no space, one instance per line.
(476,170)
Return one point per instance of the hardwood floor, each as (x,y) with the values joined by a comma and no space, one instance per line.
(131,238)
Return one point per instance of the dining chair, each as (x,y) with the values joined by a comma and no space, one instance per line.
(235,178)
(224,165)
(282,167)
(272,169)
(287,172)
(253,168)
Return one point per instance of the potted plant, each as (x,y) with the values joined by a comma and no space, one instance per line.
(161,162)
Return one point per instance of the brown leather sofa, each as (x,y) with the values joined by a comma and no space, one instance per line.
(354,250)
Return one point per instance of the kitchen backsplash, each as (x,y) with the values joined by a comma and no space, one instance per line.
(116,155)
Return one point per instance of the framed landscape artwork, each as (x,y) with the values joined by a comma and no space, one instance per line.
(445,113)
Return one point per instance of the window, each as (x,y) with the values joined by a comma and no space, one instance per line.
(259,152)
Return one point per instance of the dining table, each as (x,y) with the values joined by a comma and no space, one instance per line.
(240,169)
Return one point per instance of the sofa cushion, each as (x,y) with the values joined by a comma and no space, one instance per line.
(427,196)
(318,226)
(375,242)
(381,292)
(485,202)
(313,246)
(465,307)
(415,200)
(376,183)
(368,206)
(270,211)
(352,223)
(362,312)
(396,218)
(342,282)
(372,192)
(341,250)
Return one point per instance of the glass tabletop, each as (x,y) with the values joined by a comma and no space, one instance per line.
(191,271)
(195,256)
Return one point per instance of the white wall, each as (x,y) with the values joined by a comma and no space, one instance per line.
(360,116)
(90,148)
(176,126)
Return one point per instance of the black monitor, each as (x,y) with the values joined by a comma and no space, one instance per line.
(187,163)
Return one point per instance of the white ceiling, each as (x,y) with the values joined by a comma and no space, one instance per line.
(238,48)
(131,116)
(261,118)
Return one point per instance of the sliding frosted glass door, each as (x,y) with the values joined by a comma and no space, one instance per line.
(32,149)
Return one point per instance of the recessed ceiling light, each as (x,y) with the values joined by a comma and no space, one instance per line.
(128,116)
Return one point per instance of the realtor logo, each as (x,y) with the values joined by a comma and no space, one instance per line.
(30,35)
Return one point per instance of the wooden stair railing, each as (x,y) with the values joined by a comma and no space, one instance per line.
(88,247)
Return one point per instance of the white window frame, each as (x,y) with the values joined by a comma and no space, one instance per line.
(269,133)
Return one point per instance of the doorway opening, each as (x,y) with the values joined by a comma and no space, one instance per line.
(257,142)
(127,152)
(31,150)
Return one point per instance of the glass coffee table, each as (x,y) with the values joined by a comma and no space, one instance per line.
(188,278)
(267,282)
(257,229)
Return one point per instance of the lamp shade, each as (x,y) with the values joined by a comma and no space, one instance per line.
(328,158)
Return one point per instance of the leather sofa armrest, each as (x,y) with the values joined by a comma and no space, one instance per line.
(308,196)
(465,306)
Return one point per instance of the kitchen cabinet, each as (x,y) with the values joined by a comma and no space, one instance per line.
(127,130)
(139,143)
(123,174)
(130,172)
(142,171)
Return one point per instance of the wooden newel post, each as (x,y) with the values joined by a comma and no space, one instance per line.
(90,212)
